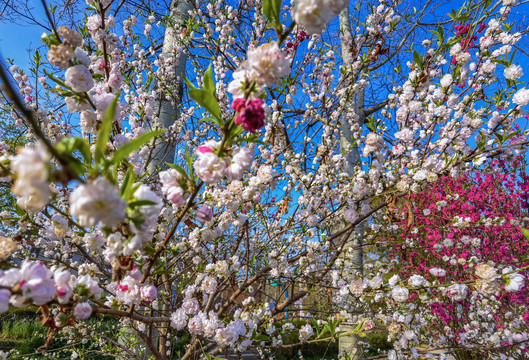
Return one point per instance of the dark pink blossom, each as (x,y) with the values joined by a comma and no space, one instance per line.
(251,113)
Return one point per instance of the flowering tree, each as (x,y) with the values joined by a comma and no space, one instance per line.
(461,229)
(261,188)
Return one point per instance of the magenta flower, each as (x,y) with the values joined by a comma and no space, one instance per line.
(251,113)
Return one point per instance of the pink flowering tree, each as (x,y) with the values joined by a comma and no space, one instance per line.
(281,162)
(460,252)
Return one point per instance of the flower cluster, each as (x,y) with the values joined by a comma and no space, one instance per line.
(265,65)
(129,291)
(314,15)
(461,242)
(251,113)
(35,284)
(31,186)
(98,202)
(7,247)
(211,168)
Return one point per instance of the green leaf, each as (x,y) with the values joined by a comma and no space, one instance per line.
(209,84)
(56,80)
(358,327)
(511,135)
(37,57)
(260,337)
(138,203)
(452,41)
(371,124)
(68,146)
(236,131)
(525,233)
(76,165)
(161,271)
(207,100)
(316,325)
(418,58)
(149,250)
(327,328)
(272,9)
(134,145)
(84,149)
(126,187)
(18,210)
(138,221)
(106,128)
(481,143)
(11,218)
(189,160)
(179,169)
(211,119)
(189,83)
(253,138)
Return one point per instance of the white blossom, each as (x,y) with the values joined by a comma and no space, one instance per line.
(400,294)
(82,311)
(209,167)
(457,292)
(521,97)
(36,282)
(179,319)
(266,64)
(98,202)
(305,333)
(447,80)
(314,15)
(79,78)
(515,281)
(513,72)
(31,186)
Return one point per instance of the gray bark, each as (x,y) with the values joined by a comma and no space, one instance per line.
(355,263)
(167,112)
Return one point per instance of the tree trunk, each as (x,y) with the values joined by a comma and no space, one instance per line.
(167,111)
(355,263)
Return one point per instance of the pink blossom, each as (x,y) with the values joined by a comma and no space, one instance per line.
(82,311)
(251,114)
(149,293)
(204,214)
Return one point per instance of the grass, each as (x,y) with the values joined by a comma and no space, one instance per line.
(22,335)
(22,332)
(22,329)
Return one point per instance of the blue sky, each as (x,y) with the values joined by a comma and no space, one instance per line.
(15,40)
